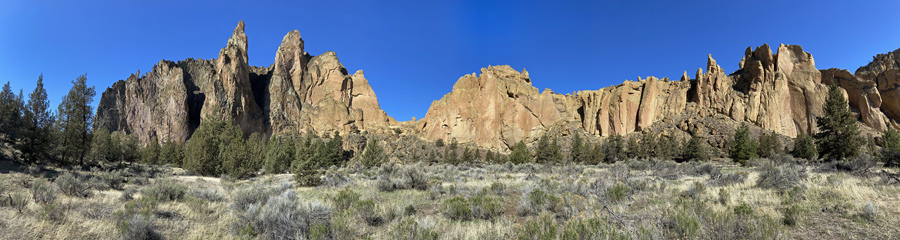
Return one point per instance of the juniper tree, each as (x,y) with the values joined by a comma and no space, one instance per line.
(11,112)
(695,150)
(742,147)
(769,145)
(614,149)
(373,155)
(890,152)
(520,153)
(838,137)
(577,151)
(76,117)
(804,147)
(35,142)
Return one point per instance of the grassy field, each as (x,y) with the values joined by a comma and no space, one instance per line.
(769,199)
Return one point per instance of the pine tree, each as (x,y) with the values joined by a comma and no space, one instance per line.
(102,149)
(695,150)
(520,153)
(468,156)
(36,144)
(205,151)
(279,155)
(804,147)
(577,151)
(150,152)
(11,112)
(769,145)
(632,147)
(450,152)
(76,117)
(614,149)
(373,156)
(838,137)
(647,147)
(547,150)
(742,148)
(172,152)
(890,152)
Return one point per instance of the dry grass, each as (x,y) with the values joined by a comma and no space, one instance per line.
(637,200)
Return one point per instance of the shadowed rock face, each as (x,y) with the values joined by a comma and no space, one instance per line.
(298,93)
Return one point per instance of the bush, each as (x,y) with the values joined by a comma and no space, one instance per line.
(344,199)
(591,229)
(385,184)
(139,226)
(43,192)
(541,228)
(457,208)
(617,192)
(870,211)
(259,213)
(207,194)
(695,190)
(410,229)
(485,207)
(537,200)
(71,185)
(18,201)
(728,179)
(785,176)
(165,190)
(366,210)
(110,179)
(413,178)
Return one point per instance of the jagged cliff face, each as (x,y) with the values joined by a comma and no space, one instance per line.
(297,93)
(782,92)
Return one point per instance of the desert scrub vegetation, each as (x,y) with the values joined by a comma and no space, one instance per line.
(770,198)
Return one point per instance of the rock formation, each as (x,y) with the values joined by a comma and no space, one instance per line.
(297,93)
(781,92)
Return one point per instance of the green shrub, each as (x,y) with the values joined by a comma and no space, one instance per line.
(43,192)
(410,229)
(138,226)
(165,190)
(541,228)
(785,176)
(792,215)
(618,192)
(592,228)
(345,199)
(485,207)
(538,200)
(457,208)
(367,211)
(71,184)
(409,210)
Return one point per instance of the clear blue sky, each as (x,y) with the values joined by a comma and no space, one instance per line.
(413,51)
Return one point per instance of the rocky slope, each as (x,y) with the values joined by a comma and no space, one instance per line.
(297,93)
(781,92)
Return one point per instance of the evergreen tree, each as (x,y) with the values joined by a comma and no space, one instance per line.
(76,118)
(373,156)
(890,152)
(450,152)
(891,140)
(125,147)
(102,149)
(804,147)
(614,149)
(150,152)
(520,153)
(489,157)
(11,112)
(173,153)
(236,158)
(695,150)
(632,147)
(647,147)
(595,155)
(256,147)
(742,148)
(205,151)
(769,145)
(36,144)
(279,155)
(468,155)
(547,150)
(577,151)
(838,137)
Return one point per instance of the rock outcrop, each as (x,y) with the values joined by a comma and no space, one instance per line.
(781,92)
(297,93)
